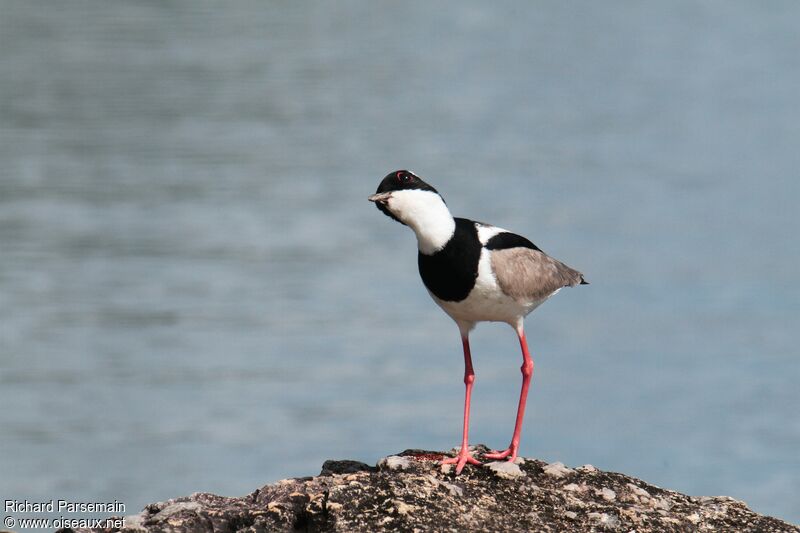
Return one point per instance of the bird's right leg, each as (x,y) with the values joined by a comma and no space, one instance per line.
(464,456)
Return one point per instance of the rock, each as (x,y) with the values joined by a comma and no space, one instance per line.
(409,492)
(394,462)
(557,470)
(608,494)
(344,467)
(505,469)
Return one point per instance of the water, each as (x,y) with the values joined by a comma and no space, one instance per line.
(195,294)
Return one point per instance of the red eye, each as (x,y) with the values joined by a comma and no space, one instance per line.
(405,177)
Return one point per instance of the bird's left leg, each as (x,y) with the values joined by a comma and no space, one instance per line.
(464,456)
(527,372)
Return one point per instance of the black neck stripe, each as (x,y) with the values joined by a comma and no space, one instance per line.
(451,272)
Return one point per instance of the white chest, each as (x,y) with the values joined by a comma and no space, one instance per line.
(486,302)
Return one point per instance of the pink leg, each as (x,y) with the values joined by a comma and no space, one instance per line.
(527,372)
(464,456)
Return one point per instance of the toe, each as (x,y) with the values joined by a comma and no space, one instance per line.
(460,461)
(494,454)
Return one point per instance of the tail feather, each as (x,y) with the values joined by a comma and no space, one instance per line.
(570,276)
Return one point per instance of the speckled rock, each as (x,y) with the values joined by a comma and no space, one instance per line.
(411,492)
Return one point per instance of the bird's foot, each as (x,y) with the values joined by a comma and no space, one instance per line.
(510,453)
(461,459)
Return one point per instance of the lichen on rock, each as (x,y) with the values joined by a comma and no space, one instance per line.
(410,492)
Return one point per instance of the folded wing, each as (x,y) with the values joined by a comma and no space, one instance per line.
(526,273)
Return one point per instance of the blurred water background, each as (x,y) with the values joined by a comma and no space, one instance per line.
(195,294)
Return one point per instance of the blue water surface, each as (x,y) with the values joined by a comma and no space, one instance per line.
(195,294)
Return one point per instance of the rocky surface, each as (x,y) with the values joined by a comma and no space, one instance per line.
(412,492)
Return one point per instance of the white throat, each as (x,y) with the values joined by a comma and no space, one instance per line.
(426,213)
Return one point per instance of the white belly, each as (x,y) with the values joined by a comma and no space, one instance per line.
(486,302)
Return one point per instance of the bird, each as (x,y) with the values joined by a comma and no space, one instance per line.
(475,272)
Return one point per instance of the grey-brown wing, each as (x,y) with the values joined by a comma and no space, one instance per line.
(528,274)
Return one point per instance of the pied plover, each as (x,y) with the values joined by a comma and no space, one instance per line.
(475,272)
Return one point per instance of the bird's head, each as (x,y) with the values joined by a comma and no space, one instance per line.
(403,196)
